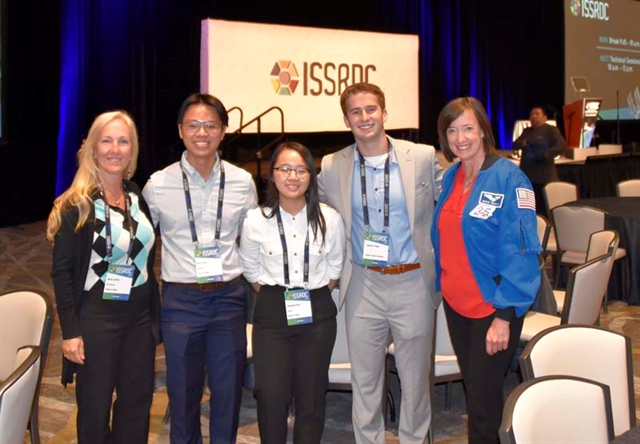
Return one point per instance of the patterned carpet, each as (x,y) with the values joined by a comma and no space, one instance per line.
(25,263)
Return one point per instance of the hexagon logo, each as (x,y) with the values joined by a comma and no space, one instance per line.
(575,7)
(284,77)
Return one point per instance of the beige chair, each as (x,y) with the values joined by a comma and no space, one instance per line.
(557,409)
(544,230)
(555,194)
(600,242)
(17,393)
(585,292)
(445,367)
(249,343)
(628,188)
(340,366)
(588,352)
(574,226)
(559,193)
(26,318)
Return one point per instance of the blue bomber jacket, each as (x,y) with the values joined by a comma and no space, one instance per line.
(500,235)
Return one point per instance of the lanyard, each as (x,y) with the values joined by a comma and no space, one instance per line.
(107,222)
(363,187)
(187,198)
(285,253)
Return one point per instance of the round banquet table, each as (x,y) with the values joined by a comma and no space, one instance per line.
(622,215)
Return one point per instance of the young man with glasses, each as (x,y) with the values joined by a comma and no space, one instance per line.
(199,204)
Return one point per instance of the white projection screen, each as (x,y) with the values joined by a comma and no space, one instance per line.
(303,71)
(602,45)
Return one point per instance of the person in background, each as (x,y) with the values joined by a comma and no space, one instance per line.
(199,204)
(292,250)
(540,144)
(106,293)
(486,245)
(385,191)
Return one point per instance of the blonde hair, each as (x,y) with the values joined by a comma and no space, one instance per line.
(87,180)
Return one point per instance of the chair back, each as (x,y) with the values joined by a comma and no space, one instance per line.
(574,225)
(589,352)
(603,242)
(446,367)
(559,193)
(544,229)
(557,409)
(585,291)
(340,366)
(628,188)
(26,318)
(17,393)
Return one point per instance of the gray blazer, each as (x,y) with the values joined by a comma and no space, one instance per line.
(422,182)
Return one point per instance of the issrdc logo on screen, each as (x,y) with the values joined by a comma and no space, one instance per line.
(590,9)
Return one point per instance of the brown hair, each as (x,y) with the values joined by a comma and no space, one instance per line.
(452,111)
(358,88)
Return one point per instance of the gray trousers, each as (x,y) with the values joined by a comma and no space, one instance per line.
(377,305)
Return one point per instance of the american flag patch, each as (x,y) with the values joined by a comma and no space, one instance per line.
(526,198)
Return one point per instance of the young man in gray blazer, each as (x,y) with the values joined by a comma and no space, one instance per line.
(385,191)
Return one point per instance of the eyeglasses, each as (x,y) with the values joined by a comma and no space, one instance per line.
(193,126)
(285,170)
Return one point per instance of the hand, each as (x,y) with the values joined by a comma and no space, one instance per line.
(73,349)
(332,284)
(497,336)
(256,287)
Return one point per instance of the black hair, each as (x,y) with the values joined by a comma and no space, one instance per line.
(314,214)
(205,99)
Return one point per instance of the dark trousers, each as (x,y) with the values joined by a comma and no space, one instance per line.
(204,329)
(292,363)
(119,354)
(483,375)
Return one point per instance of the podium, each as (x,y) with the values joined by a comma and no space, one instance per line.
(580,121)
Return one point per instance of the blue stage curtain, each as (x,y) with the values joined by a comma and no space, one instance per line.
(497,53)
(107,63)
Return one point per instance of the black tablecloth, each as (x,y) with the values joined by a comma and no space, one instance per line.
(623,215)
(629,437)
(598,176)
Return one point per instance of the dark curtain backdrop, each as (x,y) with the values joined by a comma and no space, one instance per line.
(65,61)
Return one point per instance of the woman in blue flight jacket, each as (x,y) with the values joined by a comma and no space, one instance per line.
(486,249)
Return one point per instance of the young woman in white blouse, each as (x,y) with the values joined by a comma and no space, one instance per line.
(292,250)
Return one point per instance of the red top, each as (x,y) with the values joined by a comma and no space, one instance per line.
(457,281)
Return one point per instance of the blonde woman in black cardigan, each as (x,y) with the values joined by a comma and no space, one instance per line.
(106,293)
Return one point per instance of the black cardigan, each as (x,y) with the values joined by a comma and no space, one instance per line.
(71,256)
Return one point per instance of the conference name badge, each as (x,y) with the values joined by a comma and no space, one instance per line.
(208,264)
(298,306)
(117,286)
(375,252)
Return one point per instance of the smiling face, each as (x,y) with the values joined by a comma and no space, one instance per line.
(113,150)
(291,185)
(464,137)
(365,117)
(201,139)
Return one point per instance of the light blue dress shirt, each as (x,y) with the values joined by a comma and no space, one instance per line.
(401,248)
